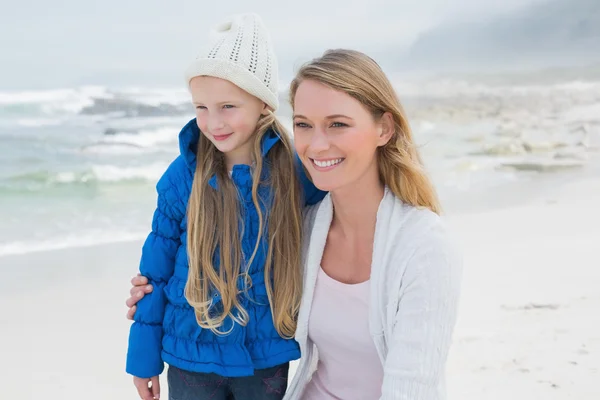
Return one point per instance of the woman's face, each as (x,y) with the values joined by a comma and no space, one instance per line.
(335,136)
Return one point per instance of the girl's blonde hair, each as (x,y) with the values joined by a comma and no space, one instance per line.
(359,76)
(214,220)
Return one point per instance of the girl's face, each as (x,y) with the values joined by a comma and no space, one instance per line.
(335,136)
(227,116)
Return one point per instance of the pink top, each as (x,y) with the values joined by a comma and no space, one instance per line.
(349,367)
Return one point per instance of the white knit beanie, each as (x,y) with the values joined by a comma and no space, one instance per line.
(240,51)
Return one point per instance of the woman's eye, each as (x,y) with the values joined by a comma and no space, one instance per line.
(301,125)
(200,108)
(338,125)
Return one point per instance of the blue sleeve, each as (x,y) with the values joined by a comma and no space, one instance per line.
(311,194)
(157,264)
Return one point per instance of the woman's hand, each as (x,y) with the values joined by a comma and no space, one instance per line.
(137,292)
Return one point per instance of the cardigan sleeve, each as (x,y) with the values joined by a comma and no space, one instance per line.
(422,330)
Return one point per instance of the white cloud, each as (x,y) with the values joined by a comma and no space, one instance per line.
(74,39)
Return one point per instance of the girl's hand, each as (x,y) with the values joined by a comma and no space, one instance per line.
(148,388)
(137,292)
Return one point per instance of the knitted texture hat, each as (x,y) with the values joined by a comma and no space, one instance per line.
(240,51)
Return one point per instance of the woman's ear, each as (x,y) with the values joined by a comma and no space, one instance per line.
(387,128)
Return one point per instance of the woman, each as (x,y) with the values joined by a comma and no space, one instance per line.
(381,276)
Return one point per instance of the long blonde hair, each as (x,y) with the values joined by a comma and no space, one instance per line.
(359,76)
(214,218)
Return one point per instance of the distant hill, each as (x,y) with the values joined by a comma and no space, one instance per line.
(552,33)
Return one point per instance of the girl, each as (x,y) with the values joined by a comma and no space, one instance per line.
(224,252)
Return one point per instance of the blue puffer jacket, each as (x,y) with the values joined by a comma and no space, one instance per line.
(165,327)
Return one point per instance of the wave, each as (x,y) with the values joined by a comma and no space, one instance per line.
(41,106)
(450,88)
(49,102)
(84,239)
(123,107)
(112,173)
(143,138)
(519,147)
(556,165)
(95,174)
(115,149)
(117,142)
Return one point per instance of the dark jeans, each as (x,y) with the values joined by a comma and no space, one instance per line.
(267,384)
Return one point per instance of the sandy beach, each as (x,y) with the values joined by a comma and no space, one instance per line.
(528,323)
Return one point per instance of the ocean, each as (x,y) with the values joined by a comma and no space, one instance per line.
(78,165)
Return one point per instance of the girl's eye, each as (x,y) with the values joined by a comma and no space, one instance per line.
(228,106)
(200,108)
(301,125)
(338,125)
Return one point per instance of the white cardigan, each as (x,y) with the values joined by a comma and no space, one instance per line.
(415,282)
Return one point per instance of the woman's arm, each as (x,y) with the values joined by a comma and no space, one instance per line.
(424,323)
(139,288)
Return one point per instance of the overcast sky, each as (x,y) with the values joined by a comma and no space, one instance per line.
(48,44)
